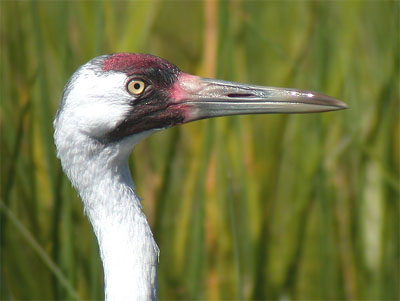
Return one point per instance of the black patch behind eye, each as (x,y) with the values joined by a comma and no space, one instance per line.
(151,110)
(154,113)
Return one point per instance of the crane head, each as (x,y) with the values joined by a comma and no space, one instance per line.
(123,95)
(111,103)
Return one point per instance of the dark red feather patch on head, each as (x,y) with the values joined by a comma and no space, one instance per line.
(127,61)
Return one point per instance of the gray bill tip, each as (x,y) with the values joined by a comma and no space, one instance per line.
(207,98)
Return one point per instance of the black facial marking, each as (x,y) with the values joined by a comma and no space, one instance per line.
(152,109)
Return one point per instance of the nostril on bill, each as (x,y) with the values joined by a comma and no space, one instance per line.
(237,95)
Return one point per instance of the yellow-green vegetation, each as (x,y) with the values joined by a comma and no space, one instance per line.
(246,207)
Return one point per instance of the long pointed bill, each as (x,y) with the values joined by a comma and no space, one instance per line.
(205,98)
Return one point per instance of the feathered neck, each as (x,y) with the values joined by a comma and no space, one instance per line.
(128,251)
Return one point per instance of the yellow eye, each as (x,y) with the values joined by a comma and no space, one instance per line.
(136,86)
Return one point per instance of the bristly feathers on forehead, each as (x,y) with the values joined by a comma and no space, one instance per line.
(127,62)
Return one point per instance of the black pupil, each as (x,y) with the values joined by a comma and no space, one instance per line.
(136,86)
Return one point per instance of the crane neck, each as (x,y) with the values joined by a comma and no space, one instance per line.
(128,250)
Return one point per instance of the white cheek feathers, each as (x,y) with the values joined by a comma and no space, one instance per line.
(95,105)
(98,120)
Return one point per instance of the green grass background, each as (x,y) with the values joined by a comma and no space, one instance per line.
(246,207)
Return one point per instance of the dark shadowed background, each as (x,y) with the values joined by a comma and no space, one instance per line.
(247,207)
